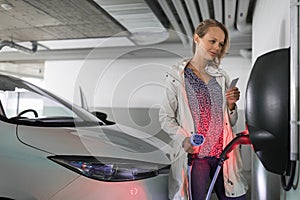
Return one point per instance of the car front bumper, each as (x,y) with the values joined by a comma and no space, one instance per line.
(155,188)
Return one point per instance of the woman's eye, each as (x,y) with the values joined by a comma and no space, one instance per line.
(214,41)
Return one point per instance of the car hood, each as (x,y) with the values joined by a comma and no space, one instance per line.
(116,141)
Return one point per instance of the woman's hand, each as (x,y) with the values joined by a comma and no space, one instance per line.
(232,95)
(188,147)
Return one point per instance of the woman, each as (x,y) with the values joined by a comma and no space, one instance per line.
(198,101)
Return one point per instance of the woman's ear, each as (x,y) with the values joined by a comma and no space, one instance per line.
(196,39)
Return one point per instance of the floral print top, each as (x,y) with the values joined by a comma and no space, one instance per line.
(205,101)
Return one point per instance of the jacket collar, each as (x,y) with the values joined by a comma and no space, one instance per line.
(210,68)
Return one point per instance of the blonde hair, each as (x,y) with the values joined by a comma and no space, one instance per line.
(202,29)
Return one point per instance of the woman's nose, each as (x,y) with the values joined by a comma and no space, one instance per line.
(217,47)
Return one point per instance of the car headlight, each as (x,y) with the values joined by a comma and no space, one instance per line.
(110,169)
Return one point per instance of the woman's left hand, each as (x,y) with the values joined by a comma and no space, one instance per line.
(232,95)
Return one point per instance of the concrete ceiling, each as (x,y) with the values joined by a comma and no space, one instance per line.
(38,20)
(69,29)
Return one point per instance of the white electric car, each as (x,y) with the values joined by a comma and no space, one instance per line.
(50,149)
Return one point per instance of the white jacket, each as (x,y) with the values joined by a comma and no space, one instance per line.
(176,119)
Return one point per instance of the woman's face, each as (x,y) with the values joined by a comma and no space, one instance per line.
(211,44)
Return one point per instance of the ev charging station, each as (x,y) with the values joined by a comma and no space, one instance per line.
(272,110)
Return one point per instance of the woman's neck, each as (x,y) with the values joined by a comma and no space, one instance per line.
(198,68)
(199,64)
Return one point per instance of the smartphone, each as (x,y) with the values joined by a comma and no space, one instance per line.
(233,83)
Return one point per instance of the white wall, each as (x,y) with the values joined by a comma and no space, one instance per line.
(109,83)
(271,26)
(128,83)
(60,77)
(124,82)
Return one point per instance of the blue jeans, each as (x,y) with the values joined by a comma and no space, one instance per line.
(204,169)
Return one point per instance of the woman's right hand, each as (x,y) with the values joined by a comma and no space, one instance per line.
(188,147)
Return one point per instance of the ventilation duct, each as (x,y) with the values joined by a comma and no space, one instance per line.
(138,18)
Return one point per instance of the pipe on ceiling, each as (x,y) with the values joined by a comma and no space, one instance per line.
(184,19)
(218,11)
(167,10)
(235,24)
(193,12)
(241,18)
(204,9)
(19,47)
(229,14)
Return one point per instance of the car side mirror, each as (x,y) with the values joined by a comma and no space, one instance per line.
(103,117)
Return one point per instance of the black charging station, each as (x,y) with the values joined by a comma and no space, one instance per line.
(267,109)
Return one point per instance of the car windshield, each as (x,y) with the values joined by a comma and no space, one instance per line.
(24,103)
